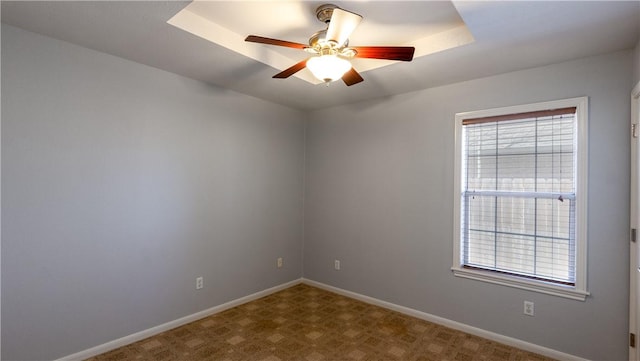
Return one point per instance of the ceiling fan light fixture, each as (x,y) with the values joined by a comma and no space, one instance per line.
(331,47)
(328,68)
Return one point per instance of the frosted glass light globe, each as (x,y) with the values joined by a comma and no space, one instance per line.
(328,67)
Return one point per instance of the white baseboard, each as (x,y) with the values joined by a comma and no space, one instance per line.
(510,341)
(111,345)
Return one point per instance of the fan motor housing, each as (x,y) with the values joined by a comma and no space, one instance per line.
(318,39)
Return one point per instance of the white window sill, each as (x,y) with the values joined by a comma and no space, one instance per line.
(517,282)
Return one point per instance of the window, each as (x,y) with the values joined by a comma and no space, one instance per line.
(521,197)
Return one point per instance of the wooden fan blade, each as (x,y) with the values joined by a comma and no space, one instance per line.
(263,40)
(291,70)
(351,77)
(341,25)
(402,53)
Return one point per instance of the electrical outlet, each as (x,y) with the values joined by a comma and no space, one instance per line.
(279,263)
(336,265)
(528,308)
(199,283)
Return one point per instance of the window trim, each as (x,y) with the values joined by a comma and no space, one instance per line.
(577,292)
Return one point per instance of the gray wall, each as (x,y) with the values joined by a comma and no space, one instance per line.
(636,64)
(121,184)
(379,197)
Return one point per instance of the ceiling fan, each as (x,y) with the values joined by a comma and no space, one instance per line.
(331,48)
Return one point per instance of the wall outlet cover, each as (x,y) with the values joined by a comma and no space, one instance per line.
(528,308)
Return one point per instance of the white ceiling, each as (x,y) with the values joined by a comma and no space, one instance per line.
(508,36)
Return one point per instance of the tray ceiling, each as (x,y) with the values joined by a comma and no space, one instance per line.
(429,26)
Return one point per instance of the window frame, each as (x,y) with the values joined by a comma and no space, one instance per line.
(577,291)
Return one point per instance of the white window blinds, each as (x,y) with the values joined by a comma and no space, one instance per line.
(518,199)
